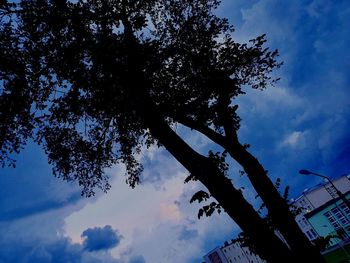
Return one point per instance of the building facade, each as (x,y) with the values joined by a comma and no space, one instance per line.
(215,256)
(232,252)
(332,218)
(322,211)
(236,253)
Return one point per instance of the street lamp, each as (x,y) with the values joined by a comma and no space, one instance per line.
(340,194)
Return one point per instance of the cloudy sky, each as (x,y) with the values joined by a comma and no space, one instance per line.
(303,122)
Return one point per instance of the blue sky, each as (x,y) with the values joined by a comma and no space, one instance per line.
(303,122)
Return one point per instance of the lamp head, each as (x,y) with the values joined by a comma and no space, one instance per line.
(305,172)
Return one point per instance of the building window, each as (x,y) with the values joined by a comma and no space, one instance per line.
(302,202)
(345,208)
(339,216)
(300,223)
(313,232)
(214,257)
(331,191)
(332,220)
(306,223)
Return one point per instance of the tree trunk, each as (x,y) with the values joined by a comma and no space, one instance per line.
(268,245)
(276,205)
(278,208)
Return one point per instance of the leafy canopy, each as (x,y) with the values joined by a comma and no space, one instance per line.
(78,78)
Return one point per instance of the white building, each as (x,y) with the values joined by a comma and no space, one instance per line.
(311,200)
(232,252)
(236,253)
(315,198)
(215,256)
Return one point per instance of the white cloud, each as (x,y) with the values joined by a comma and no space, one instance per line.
(296,139)
(268,102)
(169,211)
(152,220)
(293,138)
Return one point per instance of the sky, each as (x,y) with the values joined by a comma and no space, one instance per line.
(303,122)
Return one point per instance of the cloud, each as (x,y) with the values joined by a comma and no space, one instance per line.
(34,208)
(187,233)
(31,188)
(163,166)
(57,249)
(27,251)
(137,259)
(149,217)
(158,223)
(32,212)
(98,238)
(295,140)
(169,211)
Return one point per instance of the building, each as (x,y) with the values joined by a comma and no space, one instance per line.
(236,253)
(215,256)
(332,218)
(321,193)
(232,252)
(322,211)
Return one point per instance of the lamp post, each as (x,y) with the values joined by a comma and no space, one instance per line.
(340,194)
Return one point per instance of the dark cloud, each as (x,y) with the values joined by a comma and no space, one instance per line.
(137,259)
(23,210)
(187,234)
(159,167)
(98,238)
(32,212)
(31,189)
(59,251)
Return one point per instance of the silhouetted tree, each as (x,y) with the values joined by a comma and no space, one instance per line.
(92,81)
(294,210)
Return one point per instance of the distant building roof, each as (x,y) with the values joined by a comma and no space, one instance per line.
(319,185)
